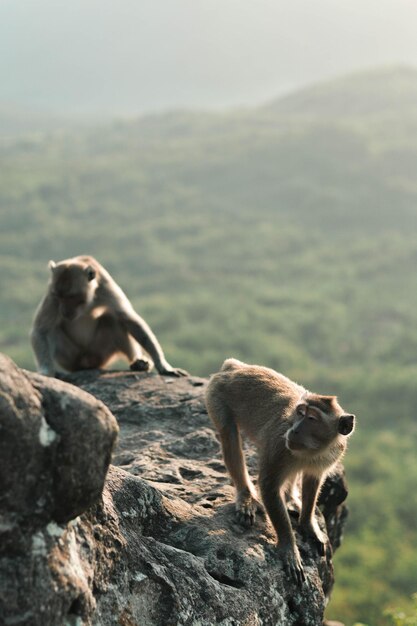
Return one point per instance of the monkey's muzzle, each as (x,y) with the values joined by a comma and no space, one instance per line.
(293,444)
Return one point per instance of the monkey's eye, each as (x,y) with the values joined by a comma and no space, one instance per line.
(313,414)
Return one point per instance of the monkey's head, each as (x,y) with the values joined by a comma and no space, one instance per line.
(73,284)
(318,422)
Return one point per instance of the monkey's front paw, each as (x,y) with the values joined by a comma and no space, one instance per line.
(246,509)
(140,365)
(292,564)
(173,371)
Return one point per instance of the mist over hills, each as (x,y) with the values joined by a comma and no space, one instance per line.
(283,235)
(132,57)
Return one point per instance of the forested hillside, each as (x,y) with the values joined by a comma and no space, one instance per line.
(284,235)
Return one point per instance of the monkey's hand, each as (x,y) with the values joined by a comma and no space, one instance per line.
(312,532)
(292,563)
(246,508)
(167,370)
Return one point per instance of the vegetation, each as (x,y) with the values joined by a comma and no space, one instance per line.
(285,236)
(400,618)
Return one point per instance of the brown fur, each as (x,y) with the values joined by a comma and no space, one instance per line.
(86,321)
(296,433)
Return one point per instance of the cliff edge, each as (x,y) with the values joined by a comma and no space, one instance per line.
(153,542)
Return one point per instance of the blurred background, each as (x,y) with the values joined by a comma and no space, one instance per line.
(248,174)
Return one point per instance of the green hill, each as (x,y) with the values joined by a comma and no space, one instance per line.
(284,235)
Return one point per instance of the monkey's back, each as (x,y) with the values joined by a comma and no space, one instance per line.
(253,396)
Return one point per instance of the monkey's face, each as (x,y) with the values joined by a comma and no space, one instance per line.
(72,306)
(73,286)
(315,428)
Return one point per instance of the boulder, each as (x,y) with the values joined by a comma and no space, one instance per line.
(55,448)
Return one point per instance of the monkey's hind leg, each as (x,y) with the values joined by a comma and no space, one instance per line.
(308,523)
(247,502)
(111,340)
(140,365)
(135,355)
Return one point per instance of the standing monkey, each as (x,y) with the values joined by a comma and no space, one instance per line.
(85,321)
(295,432)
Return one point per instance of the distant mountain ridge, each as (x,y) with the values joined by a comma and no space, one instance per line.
(376,91)
(362,93)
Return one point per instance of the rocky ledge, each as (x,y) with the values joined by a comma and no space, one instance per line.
(153,543)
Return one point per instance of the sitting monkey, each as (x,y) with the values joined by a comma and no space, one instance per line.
(296,433)
(85,321)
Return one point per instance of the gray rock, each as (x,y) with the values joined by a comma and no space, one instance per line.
(161,546)
(55,448)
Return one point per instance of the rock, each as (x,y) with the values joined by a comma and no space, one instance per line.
(80,436)
(161,546)
(55,448)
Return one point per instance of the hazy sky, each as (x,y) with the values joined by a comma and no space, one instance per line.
(131,56)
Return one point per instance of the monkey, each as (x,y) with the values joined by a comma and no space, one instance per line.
(85,321)
(296,433)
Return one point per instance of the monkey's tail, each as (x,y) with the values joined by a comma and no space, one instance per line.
(231,364)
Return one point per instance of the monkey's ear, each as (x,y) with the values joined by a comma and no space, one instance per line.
(91,272)
(301,409)
(346,424)
(52,265)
